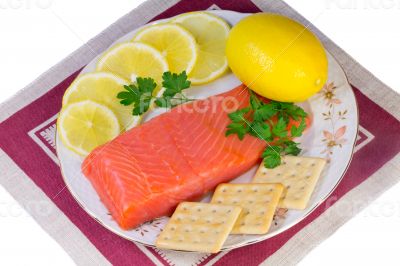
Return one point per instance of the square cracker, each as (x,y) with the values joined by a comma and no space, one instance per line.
(196,226)
(298,175)
(258,201)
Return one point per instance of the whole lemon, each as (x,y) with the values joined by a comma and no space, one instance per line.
(277,57)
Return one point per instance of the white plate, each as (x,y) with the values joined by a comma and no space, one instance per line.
(332,136)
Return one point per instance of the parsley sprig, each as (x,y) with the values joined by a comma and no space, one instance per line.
(141,94)
(269,122)
(174,84)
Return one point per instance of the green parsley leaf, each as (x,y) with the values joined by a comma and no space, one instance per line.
(261,130)
(298,131)
(140,95)
(272,149)
(142,107)
(255,103)
(288,110)
(292,148)
(272,161)
(146,85)
(174,83)
(264,112)
(279,129)
(296,112)
(238,116)
(272,156)
(239,125)
(129,96)
(165,102)
(237,128)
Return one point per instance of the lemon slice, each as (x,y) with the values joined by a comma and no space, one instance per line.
(102,87)
(211,33)
(83,126)
(132,60)
(174,42)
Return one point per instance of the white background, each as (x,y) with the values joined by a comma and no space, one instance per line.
(36,34)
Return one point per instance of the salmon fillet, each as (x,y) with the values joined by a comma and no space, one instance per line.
(177,156)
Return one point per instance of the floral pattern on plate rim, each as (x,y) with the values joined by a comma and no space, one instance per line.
(333,137)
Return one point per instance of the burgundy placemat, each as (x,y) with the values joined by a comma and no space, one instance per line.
(27,138)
